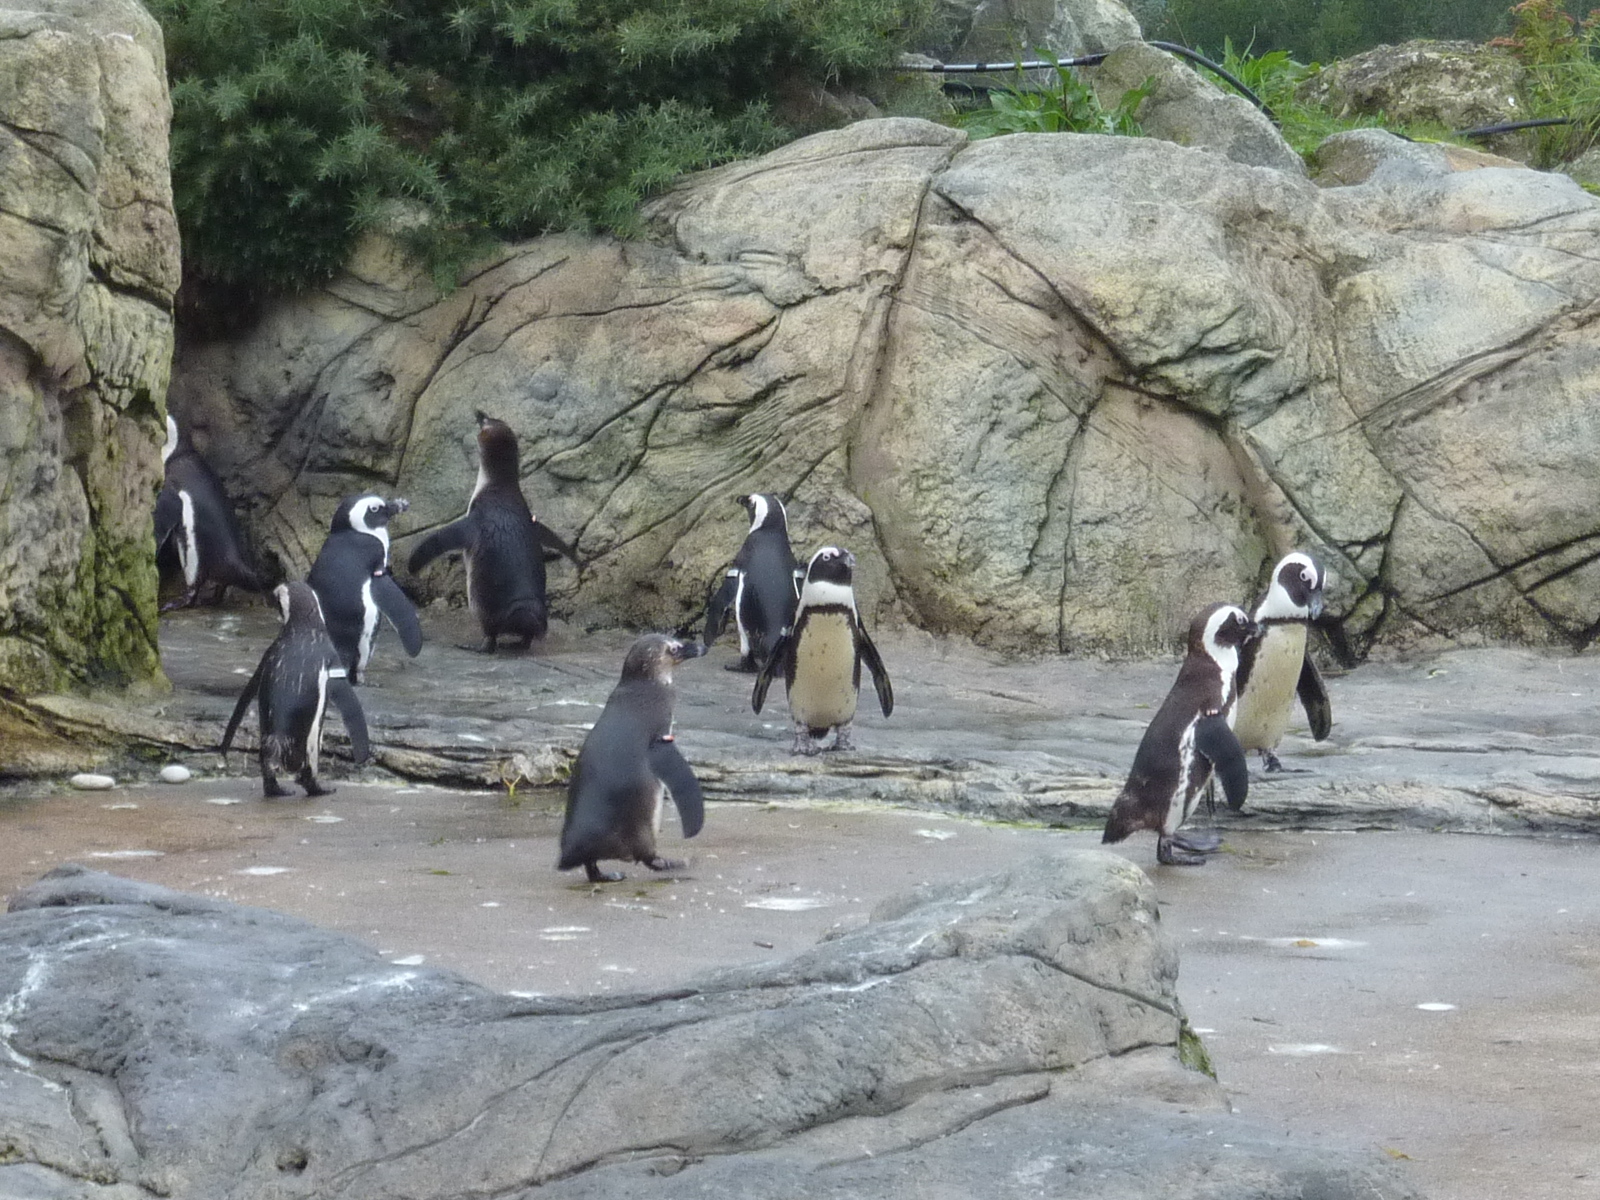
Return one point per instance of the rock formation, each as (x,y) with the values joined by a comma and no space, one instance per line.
(1056,391)
(89,256)
(1000,30)
(990,1038)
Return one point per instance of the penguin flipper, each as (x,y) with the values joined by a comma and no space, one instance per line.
(671,768)
(868,653)
(553,544)
(1314,697)
(1218,745)
(349,705)
(458,535)
(718,607)
(780,654)
(169,513)
(397,606)
(243,706)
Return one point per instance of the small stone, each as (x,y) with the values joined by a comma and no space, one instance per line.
(176,773)
(87,782)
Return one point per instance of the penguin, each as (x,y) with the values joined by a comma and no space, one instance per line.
(821,657)
(300,672)
(195,526)
(352,580)
(506,545)
(614,797)
(1277,666)
(1190,737)
(761,588)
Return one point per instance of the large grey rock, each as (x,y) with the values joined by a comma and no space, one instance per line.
(1012,1032)
(1056,391)
(88,268)
(1000,30)
(1191,111)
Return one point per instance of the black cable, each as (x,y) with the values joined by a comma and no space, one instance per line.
(1512,127)
(1094,60)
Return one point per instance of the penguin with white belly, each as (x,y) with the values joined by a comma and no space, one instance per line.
(196,527)
(627,762)
(297,676)
(822,655)
(1276,668)
(351,578)
(759,589)
(1190,738)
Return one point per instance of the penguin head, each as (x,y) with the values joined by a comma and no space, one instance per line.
(1219,631)
(368,514)
(831,565)
(497,452)
(298,603)
(766,511)
(171,443)
(1296,591)
(655,654)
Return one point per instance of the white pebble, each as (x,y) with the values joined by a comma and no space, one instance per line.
(176,773)
(92,783)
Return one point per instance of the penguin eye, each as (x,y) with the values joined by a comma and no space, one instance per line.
(1308,575)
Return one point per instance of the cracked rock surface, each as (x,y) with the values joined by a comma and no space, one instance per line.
(986,1038)
(1057,392)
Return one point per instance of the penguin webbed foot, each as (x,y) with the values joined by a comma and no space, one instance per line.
(842,739)
(803,744)
(596,875)
(745,666)
(271,788)
(665,864)
(189,599)
(1169,853)
(309,781)
(1270,762)
(487,646)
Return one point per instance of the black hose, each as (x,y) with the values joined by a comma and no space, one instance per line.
(1511,127)
(1094,60)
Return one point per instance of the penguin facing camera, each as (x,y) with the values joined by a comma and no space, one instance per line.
(197,533)
(297,676)
(506,546)
(822,655)
(761,588)
(352,580)
(1277,666)
(1190,738)
(628,760)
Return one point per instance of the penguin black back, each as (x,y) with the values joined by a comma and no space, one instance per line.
(1189,737)
(629,757)
(760,589)
(505,544)
(197,531)
(297,676)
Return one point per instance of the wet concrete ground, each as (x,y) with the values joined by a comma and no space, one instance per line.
(1307,958)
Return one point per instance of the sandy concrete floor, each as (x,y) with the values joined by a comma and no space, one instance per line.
(1429,995)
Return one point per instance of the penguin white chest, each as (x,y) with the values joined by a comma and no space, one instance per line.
(369,628)
(1268,699)
(823,693)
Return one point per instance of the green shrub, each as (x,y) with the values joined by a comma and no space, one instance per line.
(297,124)
(1561,75)
(1065,105)
(1326,29)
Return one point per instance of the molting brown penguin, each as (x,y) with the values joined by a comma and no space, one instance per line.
(506,545)
(196,526)
(760,588)
(821,657)
(627,761)
(297,676)
(351,577)
(1189,738)
(1277,666)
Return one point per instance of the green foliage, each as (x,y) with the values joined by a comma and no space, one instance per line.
(1065,105)
(297,124)
(1561,75)
(1327,29)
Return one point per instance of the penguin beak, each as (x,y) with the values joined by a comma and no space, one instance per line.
(686,650)
(850,560)
(1316,605)
(395,507)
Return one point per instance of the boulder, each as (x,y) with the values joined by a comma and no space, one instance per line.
(1057,392)
(89,259)
(988,1038)
(999,30)
(1185,108)
(1447,85)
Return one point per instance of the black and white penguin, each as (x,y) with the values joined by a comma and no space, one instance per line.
(629,758)
(760,588)
(351,577)
(300,672)
(196,530)
(821,656)
(1276,667)
(506,545)
(1190,736)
